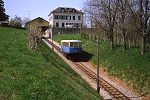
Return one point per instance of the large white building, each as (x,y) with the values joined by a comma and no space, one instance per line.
(63,17)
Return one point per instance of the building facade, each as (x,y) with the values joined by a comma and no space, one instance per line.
(63,17)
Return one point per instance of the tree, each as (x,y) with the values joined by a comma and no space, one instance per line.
(17,21)
(25,20)
(89,13)
(144,7)
(3,16)
(111,12)
(130,19)
(103,15)
(141,11)
(123,14)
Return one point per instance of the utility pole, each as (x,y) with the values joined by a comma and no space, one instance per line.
(98,87)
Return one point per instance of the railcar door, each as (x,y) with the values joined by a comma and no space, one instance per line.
(71,47)
(65,47)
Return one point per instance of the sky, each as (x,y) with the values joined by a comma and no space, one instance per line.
(37,8)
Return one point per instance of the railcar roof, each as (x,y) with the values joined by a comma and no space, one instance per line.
(71,41)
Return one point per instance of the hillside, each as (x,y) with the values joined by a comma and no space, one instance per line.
(36,75)
(129,66)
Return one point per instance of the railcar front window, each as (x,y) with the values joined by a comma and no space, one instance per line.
(65,43)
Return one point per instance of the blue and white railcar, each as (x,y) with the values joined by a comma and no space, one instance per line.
(71,46)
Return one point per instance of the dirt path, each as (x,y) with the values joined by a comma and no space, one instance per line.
(121,86)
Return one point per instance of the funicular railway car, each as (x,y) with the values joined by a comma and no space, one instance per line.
(71,47)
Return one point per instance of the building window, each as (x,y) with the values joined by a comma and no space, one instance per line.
(77,25)
(68,17)
(63,17)
(56,16)
(68,9)
(73,10)
(81,25)
(63,25)
(73,17)
(62,10)
(79,17)
(57,24)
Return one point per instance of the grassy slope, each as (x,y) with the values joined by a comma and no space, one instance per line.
(129,66)
(38,75)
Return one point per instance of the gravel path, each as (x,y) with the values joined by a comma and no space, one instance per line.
(121,86)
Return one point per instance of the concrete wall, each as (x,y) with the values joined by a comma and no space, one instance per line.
(65,30)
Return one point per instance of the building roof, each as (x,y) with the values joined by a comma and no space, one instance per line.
(71,41)
(38,18)
(65,10)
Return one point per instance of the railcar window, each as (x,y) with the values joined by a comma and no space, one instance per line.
(71,44)
(65,43)
(80,44)
(75,44)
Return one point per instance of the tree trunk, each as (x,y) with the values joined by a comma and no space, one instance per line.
(112,38)
(124,40)
(143,45)
(129,43)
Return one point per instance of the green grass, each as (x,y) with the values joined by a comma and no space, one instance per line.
(59,37)
(36,75)
(130,66)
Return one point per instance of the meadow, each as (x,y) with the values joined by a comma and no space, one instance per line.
(128,65)
(38,74)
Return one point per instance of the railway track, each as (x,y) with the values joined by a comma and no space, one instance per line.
(103,84)
(117,95)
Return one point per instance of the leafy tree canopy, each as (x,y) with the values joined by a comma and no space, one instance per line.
(16,21)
